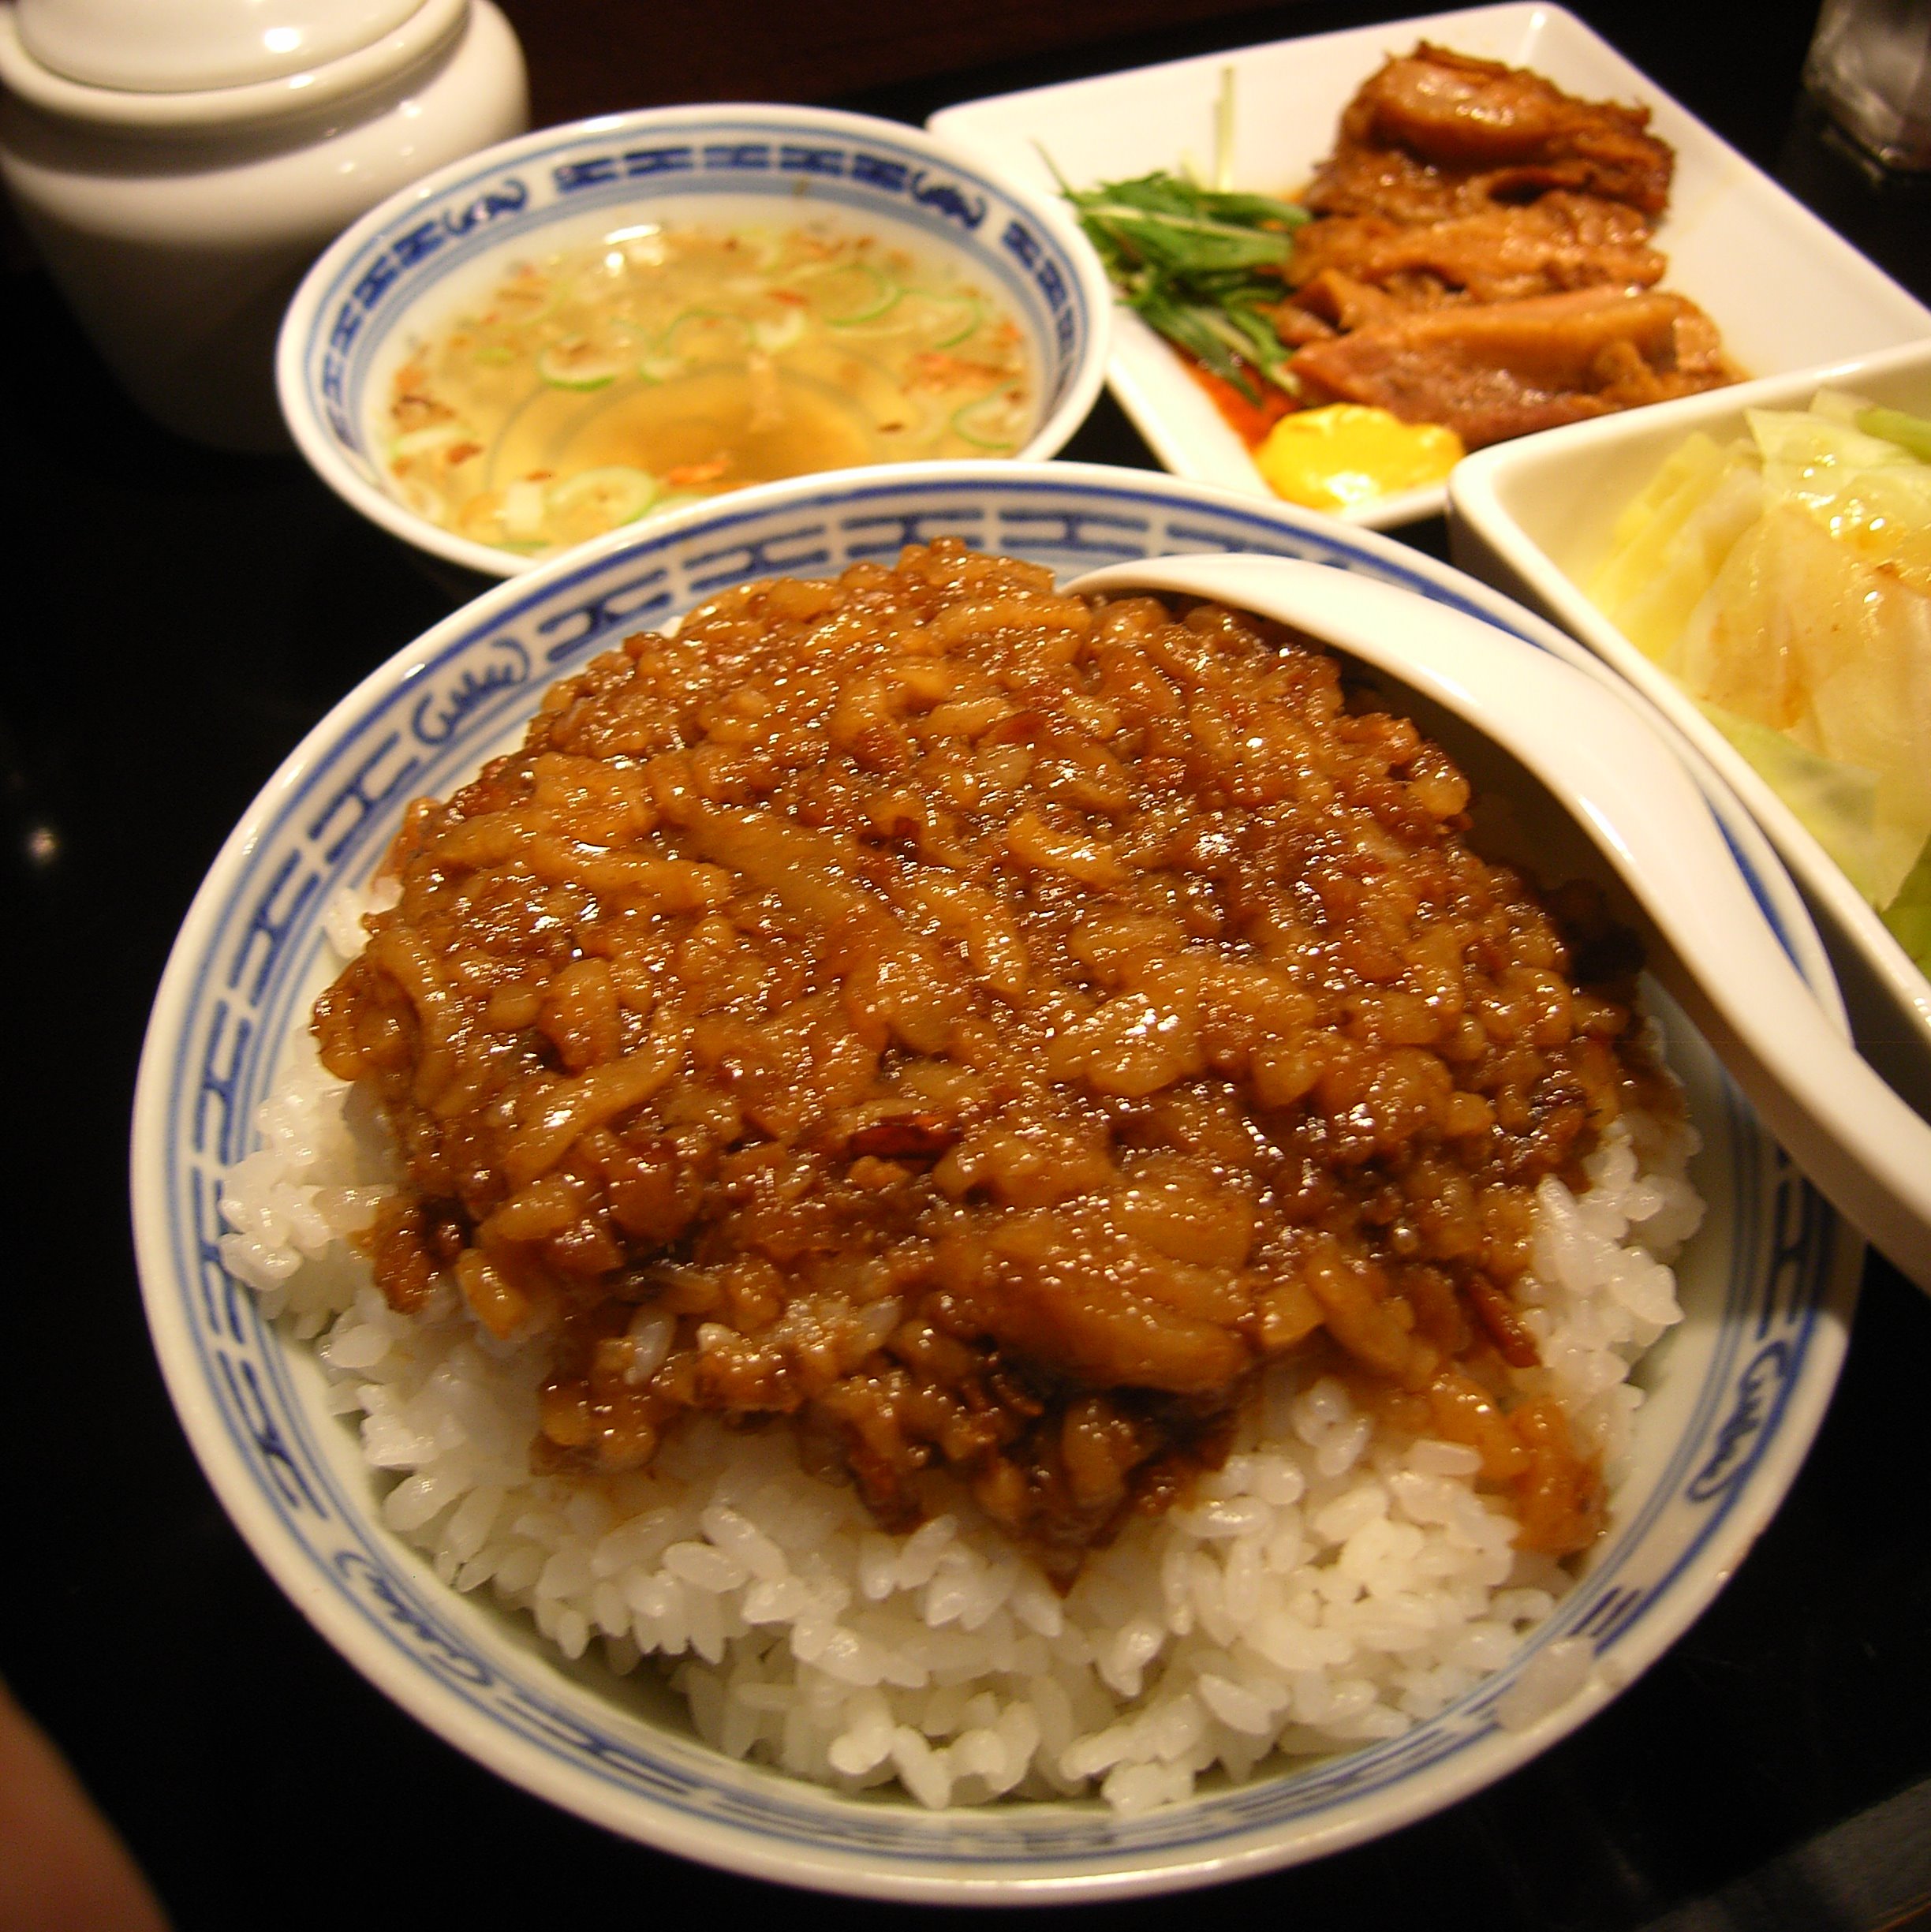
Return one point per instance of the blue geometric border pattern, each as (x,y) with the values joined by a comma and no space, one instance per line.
(419,726)
(861,168)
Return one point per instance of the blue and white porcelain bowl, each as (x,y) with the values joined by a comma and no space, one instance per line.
(1733,1394)
(405,266)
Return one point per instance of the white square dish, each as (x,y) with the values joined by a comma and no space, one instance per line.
(1535,518)
(1785,290)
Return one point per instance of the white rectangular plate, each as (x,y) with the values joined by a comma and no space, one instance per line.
(1785,290)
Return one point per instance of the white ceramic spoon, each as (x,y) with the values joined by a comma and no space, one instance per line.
(1861,1146)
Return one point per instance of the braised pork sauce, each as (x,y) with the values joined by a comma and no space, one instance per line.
(985,1027)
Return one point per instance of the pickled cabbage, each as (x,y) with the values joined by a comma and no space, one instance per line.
(1783,579)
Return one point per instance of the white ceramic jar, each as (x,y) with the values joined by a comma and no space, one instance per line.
(178,164)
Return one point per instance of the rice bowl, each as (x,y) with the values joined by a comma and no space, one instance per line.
(568,1732)
(1323,1588)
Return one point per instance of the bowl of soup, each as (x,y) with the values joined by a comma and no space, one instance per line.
(595,324)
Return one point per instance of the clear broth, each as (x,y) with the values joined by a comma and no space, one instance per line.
(661,365)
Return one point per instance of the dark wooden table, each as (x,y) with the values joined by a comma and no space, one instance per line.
(176,619)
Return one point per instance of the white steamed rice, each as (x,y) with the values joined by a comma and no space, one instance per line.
(1324,1588)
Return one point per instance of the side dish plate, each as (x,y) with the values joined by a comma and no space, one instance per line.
(1535,517)
(1785,290)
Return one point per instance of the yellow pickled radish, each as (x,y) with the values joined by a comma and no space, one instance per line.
(1347,453)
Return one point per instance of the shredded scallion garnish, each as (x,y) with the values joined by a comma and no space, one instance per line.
(1201,265)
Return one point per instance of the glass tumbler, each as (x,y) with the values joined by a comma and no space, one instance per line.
(1869,68)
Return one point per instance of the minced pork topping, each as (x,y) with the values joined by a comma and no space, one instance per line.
(985,1026)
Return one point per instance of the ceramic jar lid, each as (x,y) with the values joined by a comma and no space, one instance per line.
(170,46)
(184,64)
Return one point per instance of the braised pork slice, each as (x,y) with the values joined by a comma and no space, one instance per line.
(1482,257)
(1562,241)
(1435,133)
(1491,370)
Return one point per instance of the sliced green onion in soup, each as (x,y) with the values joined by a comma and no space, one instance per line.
(846,293)
(698,338)
(775,332)
(957,315)
(612,493)
(584,362)
(939,318)
(994,421)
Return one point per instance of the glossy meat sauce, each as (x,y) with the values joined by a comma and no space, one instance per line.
(985,1027)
